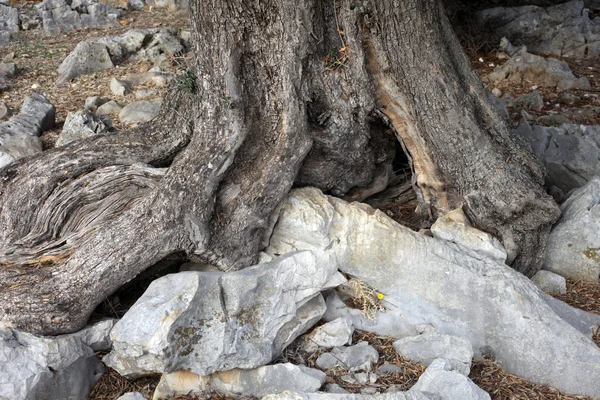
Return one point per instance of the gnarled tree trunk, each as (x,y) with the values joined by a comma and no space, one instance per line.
(287,92)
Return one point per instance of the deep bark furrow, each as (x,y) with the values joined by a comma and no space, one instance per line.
(27,183)
(458,135)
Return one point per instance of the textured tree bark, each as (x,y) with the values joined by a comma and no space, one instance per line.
(287,92)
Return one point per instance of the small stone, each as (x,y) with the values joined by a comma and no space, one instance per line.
(369,390)
(132,396)
(145,93)
(86,58)
(335,333)
(362,378)
(567,98)
(92,103)
(389,369)
(455,227)
(5,111)
(550,282)
(496,92)
(136,4)
(52,367)
(20,134)
(335,388)
(81,125)
(7,70)
(109,108)
(360,355)
(120,87)
(140,111)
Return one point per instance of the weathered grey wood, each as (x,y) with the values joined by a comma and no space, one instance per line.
(275,104)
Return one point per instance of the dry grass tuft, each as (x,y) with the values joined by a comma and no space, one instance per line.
(112,385)
(365,298)
(583,295)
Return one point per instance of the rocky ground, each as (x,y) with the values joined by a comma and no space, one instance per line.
(37,56)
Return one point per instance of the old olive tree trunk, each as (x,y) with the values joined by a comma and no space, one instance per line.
(305,92)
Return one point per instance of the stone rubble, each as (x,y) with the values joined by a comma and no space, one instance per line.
(564,30)
(97,54)
(206,322)
(81,125)
(68,15)
(549,72)
(19,136)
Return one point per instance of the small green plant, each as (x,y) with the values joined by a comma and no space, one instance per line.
(335,60)
(229,102)
(187,81)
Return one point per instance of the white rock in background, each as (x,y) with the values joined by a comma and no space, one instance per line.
(109,108)
(86,58)
(440,379)
(136,4)
(140,111)
(550,282)
(334,333)
(565,29)
(19,136)
(539,70)
(569,152)
(97,54)
(119,87)
(92,103)
(5,111)
(9,18)
(573,249)
(81,125)
(257,382)
(206,322)
(455,227)
(425,348)
(34,367)
(428,281)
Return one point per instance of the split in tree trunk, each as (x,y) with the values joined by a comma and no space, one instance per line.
(286,93)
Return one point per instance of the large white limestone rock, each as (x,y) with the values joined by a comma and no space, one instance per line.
(211,321)
(573,249)
(428,282)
